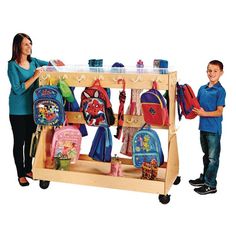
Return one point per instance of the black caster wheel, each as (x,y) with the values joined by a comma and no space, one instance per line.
(164,199)
(177,180)
(44,184)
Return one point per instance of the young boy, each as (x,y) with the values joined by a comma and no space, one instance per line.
(212,101)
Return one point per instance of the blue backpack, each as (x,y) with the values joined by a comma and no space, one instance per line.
(102,145)
(146,147)
(48,106)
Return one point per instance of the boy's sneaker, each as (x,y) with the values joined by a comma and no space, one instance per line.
(196,182)
(205,190)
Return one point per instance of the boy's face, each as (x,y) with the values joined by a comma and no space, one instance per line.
(214,73)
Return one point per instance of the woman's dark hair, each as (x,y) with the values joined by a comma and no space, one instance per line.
(217,63)
(16,47)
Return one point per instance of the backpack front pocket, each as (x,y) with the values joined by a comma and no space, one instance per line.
(138,159)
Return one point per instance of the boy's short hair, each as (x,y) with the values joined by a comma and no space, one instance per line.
(217,63)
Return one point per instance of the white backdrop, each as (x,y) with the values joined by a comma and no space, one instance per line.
(188,34)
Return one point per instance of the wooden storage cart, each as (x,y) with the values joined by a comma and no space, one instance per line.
(89,172)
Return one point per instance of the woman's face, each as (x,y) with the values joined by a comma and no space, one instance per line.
(26,47)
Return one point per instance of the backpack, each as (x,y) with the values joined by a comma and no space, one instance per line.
(154,107)
(48,106)
(102,145)
(186,101)
(146,147)
(66,143)
(35,141)
(74,107)
(96,106)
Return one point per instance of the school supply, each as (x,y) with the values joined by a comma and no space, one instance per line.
(161,65)
(122,98)
(54,65)
(62,163)
(49,162)
(149,170)
(96,106)
(48,106)
(146,147)
(118,67)
(65,90)
(102,145)
(56,62)
(139,66)
(154,107)
(134,108)
(95,62)
(35,140)
(74,106)
(66,143)
(186,101)
(116,169)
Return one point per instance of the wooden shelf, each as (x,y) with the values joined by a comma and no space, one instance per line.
(108,80)
(90,172)
(129,121)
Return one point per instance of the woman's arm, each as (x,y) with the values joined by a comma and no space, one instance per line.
(31,80)
(18,86)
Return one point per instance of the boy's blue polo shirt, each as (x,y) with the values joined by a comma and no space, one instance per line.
(210,99)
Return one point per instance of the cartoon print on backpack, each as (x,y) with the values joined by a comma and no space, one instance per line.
(66,143)
(48,106)
(96,106)
(47,112)
(94,110)
(146,147)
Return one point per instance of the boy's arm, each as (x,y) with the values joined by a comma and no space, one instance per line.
(218,112)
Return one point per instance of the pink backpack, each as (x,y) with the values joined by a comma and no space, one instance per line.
(66,143)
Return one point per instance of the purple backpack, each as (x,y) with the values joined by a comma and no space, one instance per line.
(154,107)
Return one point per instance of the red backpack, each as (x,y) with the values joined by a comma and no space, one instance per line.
(154,107)
(96,106)
(186,100)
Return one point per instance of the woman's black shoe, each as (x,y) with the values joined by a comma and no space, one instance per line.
(23,184)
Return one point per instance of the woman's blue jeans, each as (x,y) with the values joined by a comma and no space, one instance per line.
(210,143)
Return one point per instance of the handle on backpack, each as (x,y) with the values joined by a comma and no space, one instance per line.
(154,84)
(145,124)
(97,82)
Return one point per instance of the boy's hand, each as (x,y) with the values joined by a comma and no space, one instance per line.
(199,112)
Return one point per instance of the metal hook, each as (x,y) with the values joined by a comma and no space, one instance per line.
(46,76)
(64,77)
(81,78)
(139,78)
(100,77)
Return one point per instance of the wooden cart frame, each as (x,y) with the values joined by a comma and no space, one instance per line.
(89,172)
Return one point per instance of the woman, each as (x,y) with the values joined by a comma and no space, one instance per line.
(23,72)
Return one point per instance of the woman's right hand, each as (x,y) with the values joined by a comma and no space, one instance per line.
(36,75)
(38,72)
